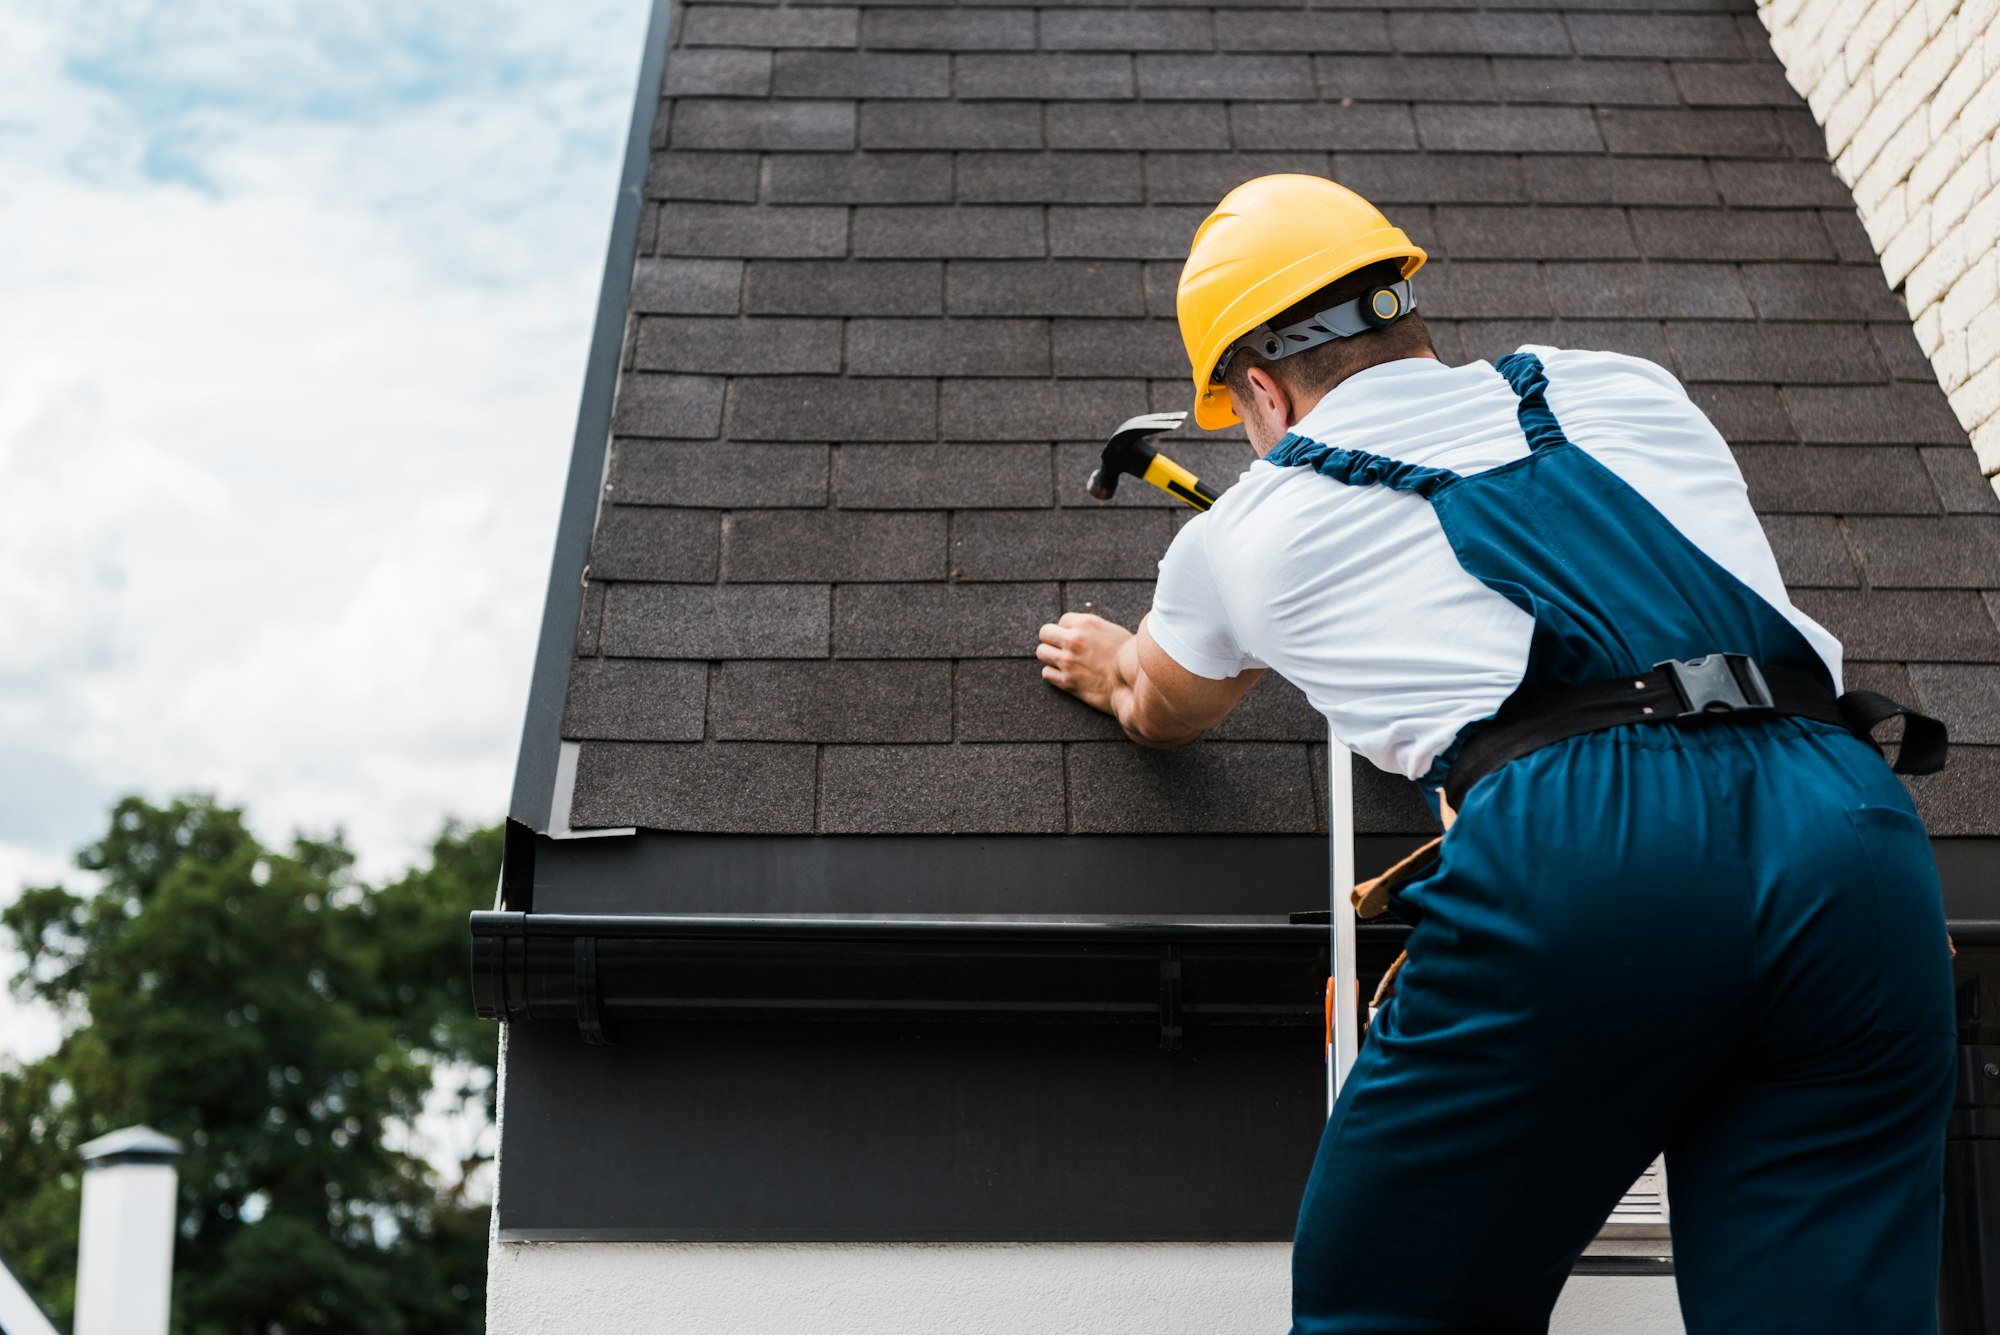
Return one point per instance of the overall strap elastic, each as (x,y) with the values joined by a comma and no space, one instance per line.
(1524,372)
(1356,468)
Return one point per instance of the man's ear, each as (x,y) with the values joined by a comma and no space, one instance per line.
(1271,396)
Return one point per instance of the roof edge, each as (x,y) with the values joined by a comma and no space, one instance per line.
(555,648)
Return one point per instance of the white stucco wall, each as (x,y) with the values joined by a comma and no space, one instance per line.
(1909,94)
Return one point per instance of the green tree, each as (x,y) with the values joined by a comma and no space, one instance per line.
(284,1021)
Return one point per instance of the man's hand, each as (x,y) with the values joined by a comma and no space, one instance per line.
(1128,676)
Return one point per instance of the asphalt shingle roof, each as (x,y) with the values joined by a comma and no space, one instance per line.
(902,267)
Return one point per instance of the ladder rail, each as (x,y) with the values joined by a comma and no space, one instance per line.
(1346,1007)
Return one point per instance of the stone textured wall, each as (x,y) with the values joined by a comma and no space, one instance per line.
(1909,93)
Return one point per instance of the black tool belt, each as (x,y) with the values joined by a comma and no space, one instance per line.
(1691,692)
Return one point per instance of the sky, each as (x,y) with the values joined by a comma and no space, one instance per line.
(295,299)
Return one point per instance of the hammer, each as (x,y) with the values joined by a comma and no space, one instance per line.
(1128,452)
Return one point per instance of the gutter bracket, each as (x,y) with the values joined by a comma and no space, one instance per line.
(1170,998)
(589,1006)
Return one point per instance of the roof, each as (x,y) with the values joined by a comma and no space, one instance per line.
(128,1143)
(900,269)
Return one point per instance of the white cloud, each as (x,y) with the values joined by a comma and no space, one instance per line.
(293,315)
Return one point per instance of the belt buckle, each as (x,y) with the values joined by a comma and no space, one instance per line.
(1717,684)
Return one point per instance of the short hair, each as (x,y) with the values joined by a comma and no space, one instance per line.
(1318,369)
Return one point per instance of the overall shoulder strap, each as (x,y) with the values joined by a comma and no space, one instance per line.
(1357,468)
(1525,372)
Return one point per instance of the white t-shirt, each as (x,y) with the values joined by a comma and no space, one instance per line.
(1353,593)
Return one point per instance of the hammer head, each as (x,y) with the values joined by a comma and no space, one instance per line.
(1128,452)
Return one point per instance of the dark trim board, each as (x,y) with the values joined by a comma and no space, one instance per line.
(555,649)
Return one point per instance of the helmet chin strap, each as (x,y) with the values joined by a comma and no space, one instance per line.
(1377,309)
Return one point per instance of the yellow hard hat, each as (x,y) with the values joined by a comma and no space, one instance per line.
(1272,242)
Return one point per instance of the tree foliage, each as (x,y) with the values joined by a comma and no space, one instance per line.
(285,1022)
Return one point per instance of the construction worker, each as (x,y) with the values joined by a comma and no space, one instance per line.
(1681,905)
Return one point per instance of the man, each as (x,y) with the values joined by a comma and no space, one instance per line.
(1719,935)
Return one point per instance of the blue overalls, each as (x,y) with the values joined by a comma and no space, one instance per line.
(1725,941)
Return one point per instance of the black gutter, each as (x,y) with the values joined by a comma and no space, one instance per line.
(541,733)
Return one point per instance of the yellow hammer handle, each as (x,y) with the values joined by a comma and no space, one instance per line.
(1176,481)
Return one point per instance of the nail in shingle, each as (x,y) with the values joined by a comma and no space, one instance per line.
(1244,77)
(932,477)
(844,287)
(716,620)
(644,542)
(948,29)
(953,124)
(1068,544)
(861,74)
(684,406)
(1811,552)
(940,620)
(1406,78)
(818,408)
(777,546)
(763,125)
(718,73)
(994,789)
(1095,125)
(687,287)
(721,177)
(948,347)
(833,700)
(1044,74)
(1122,601)
(1125,30)
(740,788)
(1480,34)
(1210,788)
(1124,233)
(768,346)
(731,25)
(1874,414)
(741,231)
(636,700)
(1453,128)
(1777,353)
(1837,479)
(1365,125)
(1592,82)
(1074,178)
(726,474)
(1006,700)
(948,232)
(858,178)
(1659,35)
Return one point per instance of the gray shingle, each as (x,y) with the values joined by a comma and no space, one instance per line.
(1479,33)
(1284,78)
(1273,711)
(772,346)
(1431,178)
(1204,178)
(1960,800)
(1635,338)
(718,73)
(811,287)
(1365,125)
(931,477)
(1650,291)
(861,74)
(1000,789)
(1821,292)
(590,618)
(1060,410)
(948,347)
(651,543)
(946,232)
(817,408)
(1044,287)
(940,620)
(1105,543)
(1365,30)
(721,177)
(781,546)
(1107,125)
(1897,344)
(1838,479)
(831,700)
(1777,354)
(1043,74)
(1907,624)
(1475,289)
(687,287)
(1960,484)
(1572,179)
(1123,233)
(1405,78)
(1811,552)
(1734,83)
(1939,552)
(1075,178)
(1213,788)
(1705,234)
(716,621)
(727,788)
(1125,30)
(1123,601)
(948,29)
(736,25)
(1508,129)
(1691,132)
(1874,415)
(1118,348)
(861,178)
(984,125)
(1476,232)
(1659,35)
(1779,184)
(763,125)
(752,231)
(1006,700)
(724,474)
(1593,82)
(1744,412)
(1965,696)
(636,700)
(686,406)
